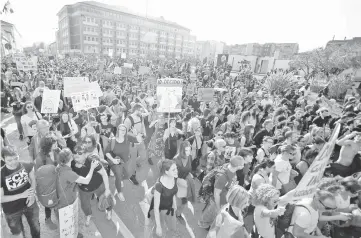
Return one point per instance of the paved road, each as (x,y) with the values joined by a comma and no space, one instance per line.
(128,220)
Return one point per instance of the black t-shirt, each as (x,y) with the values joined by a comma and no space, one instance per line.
(83,171)
(15,182)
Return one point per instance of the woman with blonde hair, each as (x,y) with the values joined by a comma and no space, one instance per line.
(229,221)
(265,199)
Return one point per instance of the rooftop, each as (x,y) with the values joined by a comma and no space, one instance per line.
(127,11)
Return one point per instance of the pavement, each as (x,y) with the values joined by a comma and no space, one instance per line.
(128,218)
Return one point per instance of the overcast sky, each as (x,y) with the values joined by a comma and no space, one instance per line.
(311,23)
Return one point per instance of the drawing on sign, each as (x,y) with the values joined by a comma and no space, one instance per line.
(68,219)
(169,95)
(50,103)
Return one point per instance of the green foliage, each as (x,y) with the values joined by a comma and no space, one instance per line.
(278,83)
(338,86)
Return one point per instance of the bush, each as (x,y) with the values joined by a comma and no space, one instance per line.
(338,86)
(278,83)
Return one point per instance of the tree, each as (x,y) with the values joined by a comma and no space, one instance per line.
(331,61)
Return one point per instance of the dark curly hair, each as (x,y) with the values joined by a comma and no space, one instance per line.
(46,143)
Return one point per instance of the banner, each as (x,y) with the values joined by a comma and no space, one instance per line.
(50,103)
(308,185)
(68,220)
(85,100)
(169,95)
(75,85)
(117,70)
(144,70)
(205,94)
(26,63)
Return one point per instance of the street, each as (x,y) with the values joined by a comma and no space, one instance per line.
(128,220)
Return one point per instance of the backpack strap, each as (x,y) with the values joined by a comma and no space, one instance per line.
(112,144)
(297,205)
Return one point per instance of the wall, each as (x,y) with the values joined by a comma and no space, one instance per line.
(281,64)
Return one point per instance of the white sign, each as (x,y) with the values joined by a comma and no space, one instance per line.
(110,52)
(75,85)
(68,220)
(117,70)
(95,87)
(123,55)
(26,63)
(85,100)
(169,94)
(128,65)
(50,101)
(310,181)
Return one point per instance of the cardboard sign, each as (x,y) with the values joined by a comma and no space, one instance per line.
(50,103)
(143,70)
(169,95)
(117,70)
(95,87)
(128,65)
(205,94)
(75,85)
(310,181)
(68,220)
(27,63)
(85,100)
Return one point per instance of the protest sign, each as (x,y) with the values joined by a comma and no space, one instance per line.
(95,87)
(128,65)
(110,52)
(310,181)
(193,77)
(26,63)
(117,70)
(123,55)
(84,100)
(205,94)
(75,85)
(152,82)
(68,220)
(144,70)
(50,101)
(169,95)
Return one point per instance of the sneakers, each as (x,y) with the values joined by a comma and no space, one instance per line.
(134,180)
(181,220)
(150,161)
(87,221)
(121,197)
(49,223)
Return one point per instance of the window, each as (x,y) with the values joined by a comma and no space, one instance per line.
(93,39)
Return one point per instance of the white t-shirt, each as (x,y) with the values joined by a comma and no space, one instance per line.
(264,225)
(25,120)
(305,218)
(284,169)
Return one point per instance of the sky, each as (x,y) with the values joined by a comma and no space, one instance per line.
(310,23)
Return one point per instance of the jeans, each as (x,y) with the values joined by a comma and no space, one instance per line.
(32,216)
(47,213)
(18,124)
(138,163)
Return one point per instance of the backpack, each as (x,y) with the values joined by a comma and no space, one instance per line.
(132,121)
(284,221)
(46,183)
(207,188)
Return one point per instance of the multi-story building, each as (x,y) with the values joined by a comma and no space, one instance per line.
(280,50)
(354,44)
(208,50)
(95,28)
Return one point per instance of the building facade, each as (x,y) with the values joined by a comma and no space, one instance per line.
(207,51)
(94,28)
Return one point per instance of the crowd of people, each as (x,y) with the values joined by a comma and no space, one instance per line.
(239,155)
